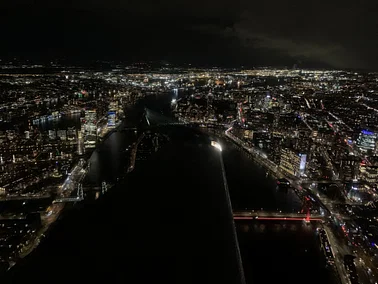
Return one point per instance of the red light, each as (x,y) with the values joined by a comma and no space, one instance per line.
(308,217)
(278,218)
(243,218)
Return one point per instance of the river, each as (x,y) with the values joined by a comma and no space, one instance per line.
(168,220)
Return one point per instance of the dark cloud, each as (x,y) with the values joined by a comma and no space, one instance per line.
(332,32)
(340,34)
(330,53)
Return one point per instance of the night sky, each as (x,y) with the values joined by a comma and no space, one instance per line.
(332,33)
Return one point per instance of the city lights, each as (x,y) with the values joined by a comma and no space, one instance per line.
(312,132)
(216,145)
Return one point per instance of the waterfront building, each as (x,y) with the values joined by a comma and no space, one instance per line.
(367,141)
(292,162)
(90,128)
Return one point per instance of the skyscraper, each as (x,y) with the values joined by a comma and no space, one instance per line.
(90,128)
(112,114)
(292,162)
(367,140)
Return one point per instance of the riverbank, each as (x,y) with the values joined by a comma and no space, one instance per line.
(54,211)
(259,157)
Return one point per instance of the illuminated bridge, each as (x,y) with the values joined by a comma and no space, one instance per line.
(306,181)
(279,216)
(79,197)
(80,193)
(25,197)
(13,217)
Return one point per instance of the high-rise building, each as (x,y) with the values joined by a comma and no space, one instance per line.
(175,93)
(90,128)
(52,134)
(90,121)
(370,174)
(111,118)
(350,167)
(62,134)
(248,134)
(71,133)
(275,148)
(112,113)
(367,141)
(292,162)
(267,100)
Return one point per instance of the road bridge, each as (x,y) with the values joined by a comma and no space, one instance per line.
(67,200)
(279,216)
(80,193)
(305,181)
(24,197)
(79,197)
(13,217)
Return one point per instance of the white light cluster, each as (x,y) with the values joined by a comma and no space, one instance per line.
(216,145)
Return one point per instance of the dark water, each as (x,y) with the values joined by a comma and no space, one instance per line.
(250,186)
(168,221)
(64,122)
(281,252)
(111,159)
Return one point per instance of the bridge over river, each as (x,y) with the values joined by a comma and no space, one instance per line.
(266,215)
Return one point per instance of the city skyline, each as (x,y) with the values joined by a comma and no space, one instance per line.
(196,141)
(281,152)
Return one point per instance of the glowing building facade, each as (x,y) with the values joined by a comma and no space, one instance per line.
(367,141)
(90,128)
(292,162)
